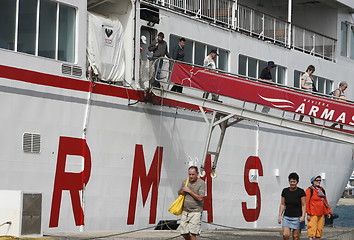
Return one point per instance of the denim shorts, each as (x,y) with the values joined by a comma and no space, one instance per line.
(293,223)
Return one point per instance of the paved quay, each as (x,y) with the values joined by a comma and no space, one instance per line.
(247,234)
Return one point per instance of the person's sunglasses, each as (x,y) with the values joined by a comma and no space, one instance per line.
(318,180)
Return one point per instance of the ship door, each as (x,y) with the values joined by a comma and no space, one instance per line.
(147,36)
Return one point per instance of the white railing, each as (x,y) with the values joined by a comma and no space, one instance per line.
(313,43)
(262,25)
(256,23)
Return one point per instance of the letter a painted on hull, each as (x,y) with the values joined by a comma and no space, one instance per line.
(251,215)
(147,182)
(73,182)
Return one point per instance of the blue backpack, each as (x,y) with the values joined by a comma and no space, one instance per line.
(331,93)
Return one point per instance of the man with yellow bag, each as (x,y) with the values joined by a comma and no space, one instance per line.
(191,219)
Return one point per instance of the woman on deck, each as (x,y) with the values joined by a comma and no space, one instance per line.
(307,84)
(292,208)
(340,95)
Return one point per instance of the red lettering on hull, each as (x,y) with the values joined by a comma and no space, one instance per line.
(251,215)
(147,182)
(208,199)
(73,182)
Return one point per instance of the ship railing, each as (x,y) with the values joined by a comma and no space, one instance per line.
(261,25)
(167,67)
(272,29)
(166,83)
(217,11)
(313,43)
(227,13)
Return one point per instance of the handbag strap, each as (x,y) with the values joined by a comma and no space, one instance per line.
(187,180)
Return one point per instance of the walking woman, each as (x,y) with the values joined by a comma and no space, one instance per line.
(316,208)
(307,83)
(292,208)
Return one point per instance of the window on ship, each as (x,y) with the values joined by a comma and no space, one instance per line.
(347,40)
(200,50)
(323,85)
(252,67)
(52,35)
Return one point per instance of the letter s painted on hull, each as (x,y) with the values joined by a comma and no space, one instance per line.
(251,215)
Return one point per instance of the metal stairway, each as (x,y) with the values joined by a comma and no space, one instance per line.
(226,115)
(253,102)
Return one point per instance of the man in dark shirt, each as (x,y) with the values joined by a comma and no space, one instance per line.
(160,50)
(266,75)
(178,54)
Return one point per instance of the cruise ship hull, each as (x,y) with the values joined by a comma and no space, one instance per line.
(108,161)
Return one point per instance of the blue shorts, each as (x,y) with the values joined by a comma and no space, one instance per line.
(293,223)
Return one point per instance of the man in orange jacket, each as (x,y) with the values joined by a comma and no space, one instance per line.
(316,208)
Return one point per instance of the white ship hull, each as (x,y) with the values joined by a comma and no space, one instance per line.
(108,162)
(114,133)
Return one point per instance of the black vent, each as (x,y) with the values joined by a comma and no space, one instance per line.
(149,14)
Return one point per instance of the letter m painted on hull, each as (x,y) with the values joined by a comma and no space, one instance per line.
(147,182)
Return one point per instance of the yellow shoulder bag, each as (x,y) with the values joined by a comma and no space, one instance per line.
(176,207)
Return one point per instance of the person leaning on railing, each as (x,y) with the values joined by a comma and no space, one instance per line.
(159,49)
(339,95)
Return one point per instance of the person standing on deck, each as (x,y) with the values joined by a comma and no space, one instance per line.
(266,75)
(307,84)
(178,54)
(159,49)
(209,62)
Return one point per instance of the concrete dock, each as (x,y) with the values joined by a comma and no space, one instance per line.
(247,234)
(333,233)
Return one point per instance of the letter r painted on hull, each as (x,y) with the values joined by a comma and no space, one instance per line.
(251,215)
(147,182)
(73,182)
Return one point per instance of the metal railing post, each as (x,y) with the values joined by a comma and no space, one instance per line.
(233,16)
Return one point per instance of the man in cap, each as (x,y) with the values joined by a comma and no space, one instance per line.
(209,60)
(266,75)
(159,49)
(210,63)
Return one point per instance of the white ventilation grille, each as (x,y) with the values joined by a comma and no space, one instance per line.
(31,143)
(71,70)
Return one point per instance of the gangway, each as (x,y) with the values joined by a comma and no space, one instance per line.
(247,98)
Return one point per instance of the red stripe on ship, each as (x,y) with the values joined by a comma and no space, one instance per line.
(84,86)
